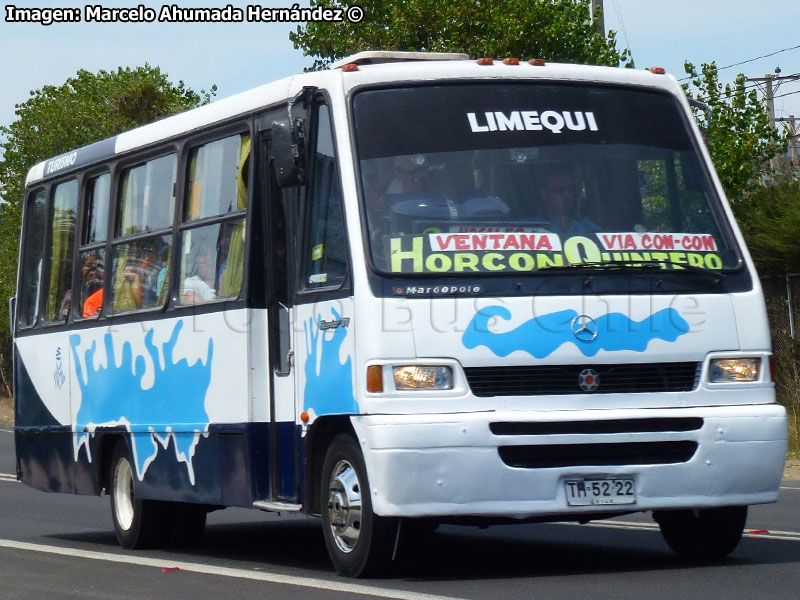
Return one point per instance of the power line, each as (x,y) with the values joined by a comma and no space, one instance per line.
(621,22)
(787,94)
(749,60)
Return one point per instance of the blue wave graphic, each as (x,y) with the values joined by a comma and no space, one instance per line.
(543,335)
(113,395)
(329,389)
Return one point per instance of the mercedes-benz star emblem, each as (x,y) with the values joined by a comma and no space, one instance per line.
(584,328)
(588,380)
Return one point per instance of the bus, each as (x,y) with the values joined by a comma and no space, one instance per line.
(408,290)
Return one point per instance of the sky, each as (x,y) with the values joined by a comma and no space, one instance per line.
(240,56)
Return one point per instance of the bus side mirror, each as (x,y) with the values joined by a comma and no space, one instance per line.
(288,153)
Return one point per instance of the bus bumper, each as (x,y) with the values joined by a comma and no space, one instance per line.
(450,465)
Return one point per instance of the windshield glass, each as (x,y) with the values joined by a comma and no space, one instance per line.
(508,178)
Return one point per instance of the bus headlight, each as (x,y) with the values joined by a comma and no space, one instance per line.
(423,377)
(734,370)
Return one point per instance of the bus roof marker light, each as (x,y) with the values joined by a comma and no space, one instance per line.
(657,70)
(304,417)
(486,60)
(350,67)
(537,62)
(510,61)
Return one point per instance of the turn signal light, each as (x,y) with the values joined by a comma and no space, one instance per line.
(375,379)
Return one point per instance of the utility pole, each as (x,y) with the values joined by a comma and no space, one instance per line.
(772,81)
(790,120)
(600,23)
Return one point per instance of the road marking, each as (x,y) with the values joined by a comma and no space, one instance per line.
(783,487)
(772,535)
(308,582)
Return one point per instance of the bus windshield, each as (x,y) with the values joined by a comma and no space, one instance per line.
(500,178)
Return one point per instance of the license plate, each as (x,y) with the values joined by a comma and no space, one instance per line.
(591,492)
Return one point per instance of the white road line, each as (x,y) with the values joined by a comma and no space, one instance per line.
(308,582)
(772,535)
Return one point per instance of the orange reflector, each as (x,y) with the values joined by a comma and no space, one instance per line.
(349,67)
(657,70)
(510,61)
(486,60)
(537,62)
(304,417)
(375,379)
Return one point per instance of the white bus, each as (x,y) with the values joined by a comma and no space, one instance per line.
(409,290)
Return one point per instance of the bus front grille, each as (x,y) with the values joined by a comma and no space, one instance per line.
(598,426)
(629,378)
(597,455)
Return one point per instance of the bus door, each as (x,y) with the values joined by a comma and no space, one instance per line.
(284,460)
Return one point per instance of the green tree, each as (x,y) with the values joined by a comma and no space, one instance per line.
(556,30)
(740,138)
(770,222)
(86,108)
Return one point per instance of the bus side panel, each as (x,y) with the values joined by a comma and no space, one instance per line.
(223,464)
(44,447)
(176,391)
(324,350)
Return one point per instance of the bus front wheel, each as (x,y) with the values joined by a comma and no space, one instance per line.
(137,523)
(359,542)
(702,533)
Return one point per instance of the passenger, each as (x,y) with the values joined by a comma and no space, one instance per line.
(92,276)
(559,204)
(410,174)
(94,302)
(199,286)
(146,278)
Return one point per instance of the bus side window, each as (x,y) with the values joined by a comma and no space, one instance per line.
(33,253)
(212,256)
(62,243)
(92,255)
(325,249)
(140,277)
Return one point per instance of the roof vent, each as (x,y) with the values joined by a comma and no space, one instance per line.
(376,57)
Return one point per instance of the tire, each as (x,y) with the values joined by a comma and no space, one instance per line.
(137,523)
(359,542)
(702,533)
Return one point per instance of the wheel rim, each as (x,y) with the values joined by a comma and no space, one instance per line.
(344,506)
(123,494)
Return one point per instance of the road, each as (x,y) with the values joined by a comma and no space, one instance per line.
(61,546)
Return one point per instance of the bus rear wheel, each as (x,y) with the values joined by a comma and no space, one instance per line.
(702,533)
(359,542)
(137,523)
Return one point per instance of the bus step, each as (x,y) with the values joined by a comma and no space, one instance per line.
(272,506)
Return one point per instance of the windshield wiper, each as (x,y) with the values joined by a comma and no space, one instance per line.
(638,265)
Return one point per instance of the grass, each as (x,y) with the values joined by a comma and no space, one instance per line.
(793,452)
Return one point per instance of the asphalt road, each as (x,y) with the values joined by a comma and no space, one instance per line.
(61,546)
